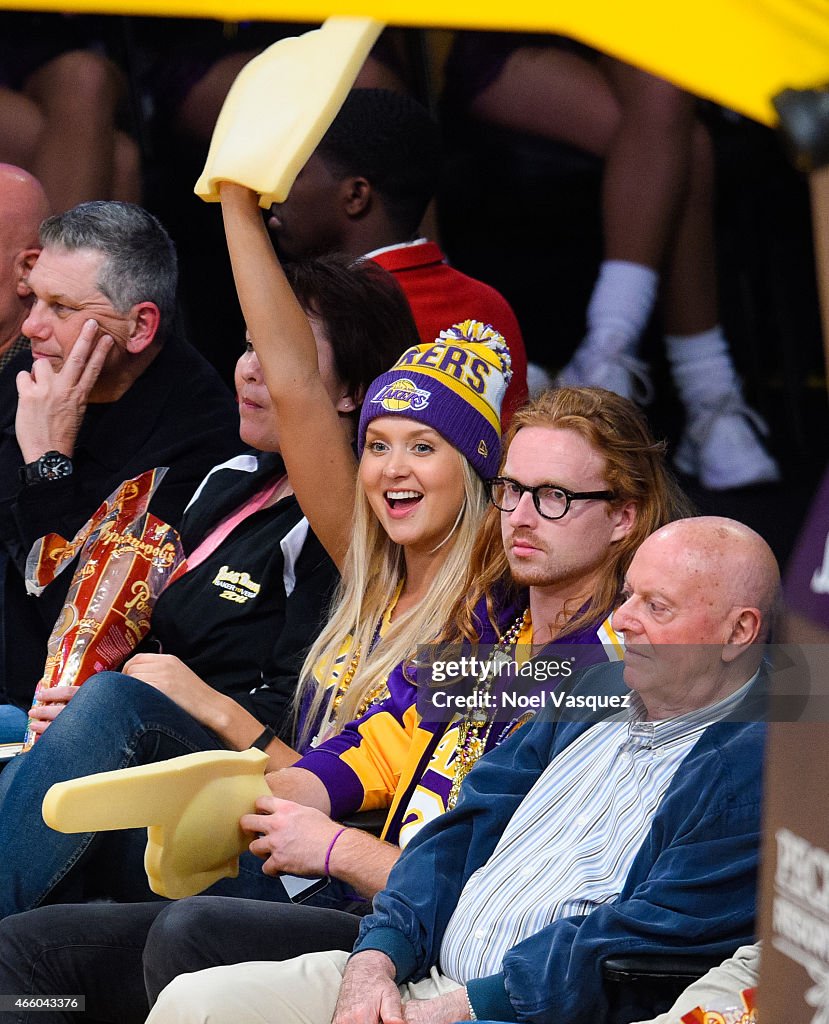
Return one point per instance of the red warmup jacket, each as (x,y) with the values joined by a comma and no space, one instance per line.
(441,296)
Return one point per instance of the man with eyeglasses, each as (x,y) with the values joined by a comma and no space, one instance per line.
(583,483)
(105,389)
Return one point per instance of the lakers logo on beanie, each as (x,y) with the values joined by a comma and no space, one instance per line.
(455,385)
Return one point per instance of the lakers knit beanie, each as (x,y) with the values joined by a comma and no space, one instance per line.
(455,385)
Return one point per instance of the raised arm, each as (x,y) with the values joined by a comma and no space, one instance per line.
(317,455)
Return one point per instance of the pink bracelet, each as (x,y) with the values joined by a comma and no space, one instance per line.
(330,848)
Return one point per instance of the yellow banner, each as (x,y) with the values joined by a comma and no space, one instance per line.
(737,52)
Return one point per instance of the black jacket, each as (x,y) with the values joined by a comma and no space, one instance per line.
(177,414)
(244,618)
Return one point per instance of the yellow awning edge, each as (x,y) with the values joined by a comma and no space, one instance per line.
(739,53)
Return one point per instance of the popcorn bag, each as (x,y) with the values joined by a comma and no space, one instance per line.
(127,557)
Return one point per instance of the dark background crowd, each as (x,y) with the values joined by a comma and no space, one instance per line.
(123,108)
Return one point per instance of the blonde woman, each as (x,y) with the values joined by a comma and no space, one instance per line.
(399,525)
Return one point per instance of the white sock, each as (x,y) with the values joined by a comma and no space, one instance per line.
(701,366)
(620,307)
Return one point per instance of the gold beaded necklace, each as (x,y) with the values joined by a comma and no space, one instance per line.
(476,725)
(342,689)
(378,692)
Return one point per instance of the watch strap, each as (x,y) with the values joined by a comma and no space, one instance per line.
(51,466)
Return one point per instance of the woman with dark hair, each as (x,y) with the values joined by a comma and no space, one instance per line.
(234,629)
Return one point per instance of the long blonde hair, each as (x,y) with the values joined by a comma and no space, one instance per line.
(374,567)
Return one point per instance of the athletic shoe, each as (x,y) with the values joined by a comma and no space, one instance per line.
(622,373)
(721,447)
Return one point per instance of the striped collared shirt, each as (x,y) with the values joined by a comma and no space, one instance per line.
(569,846)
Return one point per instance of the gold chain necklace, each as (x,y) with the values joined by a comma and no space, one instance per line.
(345,682)
(476,725)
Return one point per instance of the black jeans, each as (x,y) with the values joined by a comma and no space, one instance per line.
(121,955)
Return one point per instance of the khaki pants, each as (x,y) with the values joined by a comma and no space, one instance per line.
(299,991)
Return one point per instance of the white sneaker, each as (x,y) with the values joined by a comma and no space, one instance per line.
(721,448)
(622,373)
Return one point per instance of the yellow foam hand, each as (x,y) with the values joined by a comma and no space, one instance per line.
(281,105)
(191,806)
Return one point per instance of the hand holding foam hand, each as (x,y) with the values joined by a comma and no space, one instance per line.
(191,805)
(291,838)
(281,105)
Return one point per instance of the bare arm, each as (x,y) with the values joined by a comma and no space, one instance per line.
(296,832)
(316,452)
(301,786)
(218,712)
(363,862)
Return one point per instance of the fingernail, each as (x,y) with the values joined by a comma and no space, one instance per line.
(91,323)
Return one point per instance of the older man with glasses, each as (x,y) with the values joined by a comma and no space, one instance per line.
(106,389)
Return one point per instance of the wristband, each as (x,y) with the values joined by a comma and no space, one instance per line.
(470,1007)
(263,739)
(328,851)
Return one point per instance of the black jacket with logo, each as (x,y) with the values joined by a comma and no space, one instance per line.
(244,618)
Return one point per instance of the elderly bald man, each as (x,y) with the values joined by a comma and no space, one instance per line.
(23,205)
(573,841)
(698,602)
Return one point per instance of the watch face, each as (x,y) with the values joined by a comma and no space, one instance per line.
(54,466)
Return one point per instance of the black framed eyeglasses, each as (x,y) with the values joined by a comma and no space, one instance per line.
(550,500)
